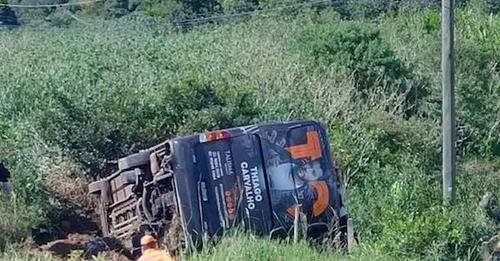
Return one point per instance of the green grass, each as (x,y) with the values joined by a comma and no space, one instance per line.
(236,247)
(16,255)
(249,247)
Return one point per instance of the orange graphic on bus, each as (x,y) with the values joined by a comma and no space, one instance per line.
(312,149)
(323,197)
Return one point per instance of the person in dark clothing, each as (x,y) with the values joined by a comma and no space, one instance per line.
(5,179)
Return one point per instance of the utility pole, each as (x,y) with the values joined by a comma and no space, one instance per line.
(448,109)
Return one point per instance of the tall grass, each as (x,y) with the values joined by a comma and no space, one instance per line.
(243,246)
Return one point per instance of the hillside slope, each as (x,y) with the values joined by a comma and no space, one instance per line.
(72,100)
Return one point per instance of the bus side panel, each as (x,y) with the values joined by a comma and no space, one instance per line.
(186,179)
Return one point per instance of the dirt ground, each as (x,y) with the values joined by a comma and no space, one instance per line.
(88,246)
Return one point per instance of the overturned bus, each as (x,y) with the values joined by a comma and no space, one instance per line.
(191,189)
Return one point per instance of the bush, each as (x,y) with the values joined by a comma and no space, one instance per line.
(477,98)
(374,8)
(492,6)
(277,3)
(184,107)
(60,18)
(432,21)
(400,185)
(235,6)
(17,220)
(170,9)
(478,80)
(31,16)
(360,50)
(371,8)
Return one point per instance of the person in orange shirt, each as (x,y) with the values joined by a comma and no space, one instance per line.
(151,250)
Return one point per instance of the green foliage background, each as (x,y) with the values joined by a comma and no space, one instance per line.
(74,97)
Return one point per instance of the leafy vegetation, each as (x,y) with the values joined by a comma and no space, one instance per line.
(179,10)
(74,99)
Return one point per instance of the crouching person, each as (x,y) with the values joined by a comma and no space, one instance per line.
(5,179)
(151,250)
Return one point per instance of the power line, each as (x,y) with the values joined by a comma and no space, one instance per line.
(256,12)
(281,8)
(52,5)
(193,21)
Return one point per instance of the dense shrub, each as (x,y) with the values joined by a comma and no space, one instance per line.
(392,171)
(492,6)
(375,8)
(60,18)
(432,21)
(478,92)
(31,16)
(239,5)
(360,50)
(118,8)
(184,107)
(170,9)
(478,89)
(371,8)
